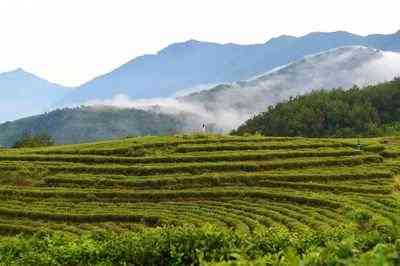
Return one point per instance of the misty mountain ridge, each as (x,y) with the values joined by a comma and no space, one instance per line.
(193,63)
(341,67)
(228,105)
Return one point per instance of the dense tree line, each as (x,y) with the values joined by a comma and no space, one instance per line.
(369,111)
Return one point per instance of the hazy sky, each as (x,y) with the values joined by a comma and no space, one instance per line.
(72,41)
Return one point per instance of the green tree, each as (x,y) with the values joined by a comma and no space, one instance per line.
(31,141)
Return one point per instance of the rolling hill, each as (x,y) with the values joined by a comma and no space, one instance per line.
(193,63)
(83,124)
(191,199)
(23,94)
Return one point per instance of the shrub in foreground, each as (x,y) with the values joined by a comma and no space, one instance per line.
(209,245)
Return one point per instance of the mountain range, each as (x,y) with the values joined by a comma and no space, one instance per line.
(178,67)
(193,63)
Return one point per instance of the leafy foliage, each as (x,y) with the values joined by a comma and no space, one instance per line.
(371,111)
(207,245)
(32,141)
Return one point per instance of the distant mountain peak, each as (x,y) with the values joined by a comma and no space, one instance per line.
(313,35)
(16,70)
(189,42)
(398,32)
(323,34)
(192,41)
(17,73)
(329,32)
(282,38)
(183,46)
(23,94)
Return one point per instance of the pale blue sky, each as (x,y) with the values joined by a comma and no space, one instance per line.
(72,41)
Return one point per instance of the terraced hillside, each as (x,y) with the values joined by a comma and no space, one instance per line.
(244,183)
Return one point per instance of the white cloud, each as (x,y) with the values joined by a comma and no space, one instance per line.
(226,119)
(167,105)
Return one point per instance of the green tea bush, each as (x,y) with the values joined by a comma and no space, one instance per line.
(397,183)
(207,245)
(23,174)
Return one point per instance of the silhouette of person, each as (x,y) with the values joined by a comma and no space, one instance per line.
(204,128)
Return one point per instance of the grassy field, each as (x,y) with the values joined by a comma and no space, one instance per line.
(202,199)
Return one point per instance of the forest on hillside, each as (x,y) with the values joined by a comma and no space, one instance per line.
(358,112)
(84,124)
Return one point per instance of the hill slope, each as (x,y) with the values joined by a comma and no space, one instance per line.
(215,196)
(23,94)
(231,104)
(193,63)
(89,124)
(368,112)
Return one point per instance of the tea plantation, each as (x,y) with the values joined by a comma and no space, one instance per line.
(202,199)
